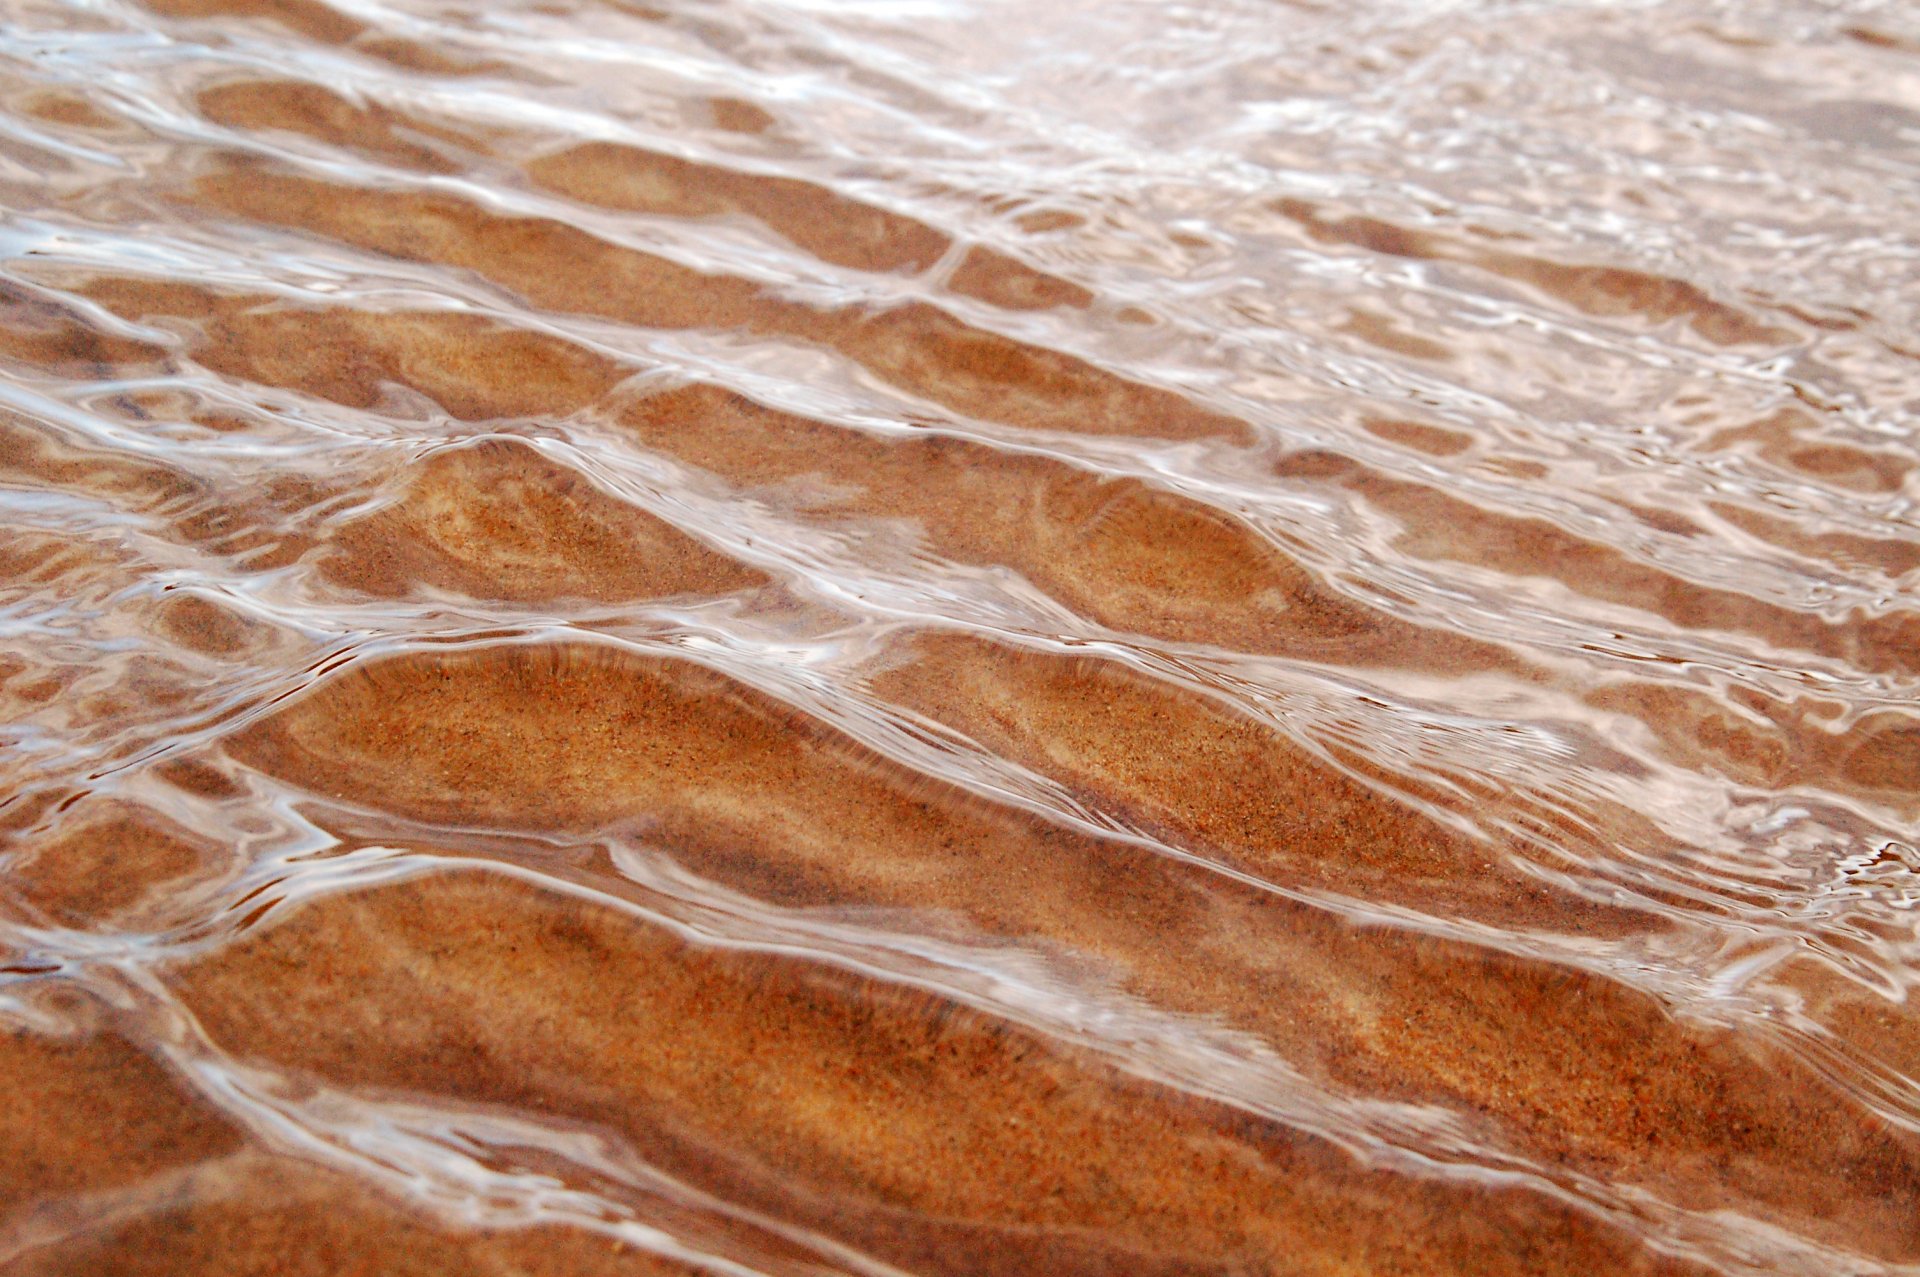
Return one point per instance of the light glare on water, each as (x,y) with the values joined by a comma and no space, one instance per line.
(959,637)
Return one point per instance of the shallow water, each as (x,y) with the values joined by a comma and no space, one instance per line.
(959,638)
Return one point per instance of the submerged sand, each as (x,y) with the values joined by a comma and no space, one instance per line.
(605,676)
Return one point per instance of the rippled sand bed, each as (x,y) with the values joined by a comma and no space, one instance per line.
(958,639)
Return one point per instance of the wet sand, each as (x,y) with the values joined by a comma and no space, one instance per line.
(758,641)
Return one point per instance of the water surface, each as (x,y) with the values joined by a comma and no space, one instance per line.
(956,638)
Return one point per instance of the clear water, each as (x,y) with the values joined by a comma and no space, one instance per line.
(959,637)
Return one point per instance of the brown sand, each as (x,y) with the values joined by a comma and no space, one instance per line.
(377,585)
(745,791)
